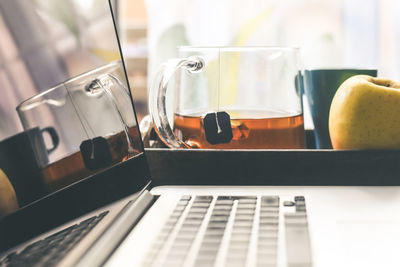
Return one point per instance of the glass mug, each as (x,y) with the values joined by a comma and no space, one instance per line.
(231,98)
(93,119)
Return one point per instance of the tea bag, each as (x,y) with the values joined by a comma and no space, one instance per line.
(96,153)
(217,127)
(217,124)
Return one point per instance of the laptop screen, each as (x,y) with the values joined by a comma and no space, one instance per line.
(67,112)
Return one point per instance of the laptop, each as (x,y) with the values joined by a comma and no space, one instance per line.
(118,218)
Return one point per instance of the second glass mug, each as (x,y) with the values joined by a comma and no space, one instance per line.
(231,98)
(81,125)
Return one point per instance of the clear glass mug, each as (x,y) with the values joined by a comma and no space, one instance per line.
(231,98)
(84,124)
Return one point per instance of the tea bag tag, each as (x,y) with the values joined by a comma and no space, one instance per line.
(217,127)
(96,153)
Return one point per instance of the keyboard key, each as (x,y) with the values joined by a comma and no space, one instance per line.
(244,219)
(222,206)
(199,209)
(271,201)
(296,219)
(222,219)
(221,212)
(269,218)
(184,239)
(180,209)
(203,198)
(210,247)
(266,235)
(204,262)
(238,248)
(180,248)
(201,205)
(267,209)
(269,221)
(217,226)
(266,262)
(191,225)
(181,206)
(267,238)
(67,230)
(35,246)
(246,207)
(298,252)
(240,238)
(226,198)
(102,215)
(196,216)
(88,221)
(300,204)
(247,197)
(224,202)
(235,260)
(204,255)
(243,223)
(173,261)
(237,255)
(300,208)
(220,215)
(247,201)
(299,198)
(245,212)
(236,263)
(213,235)
(186,198)
(188,231)
(297,215)
(288,203)
(268,230)
(209,251)
(237,227)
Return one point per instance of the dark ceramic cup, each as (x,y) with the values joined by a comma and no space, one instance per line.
(21,158)
(320,88)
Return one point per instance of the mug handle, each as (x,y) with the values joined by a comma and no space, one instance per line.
(54,138)
(158,92)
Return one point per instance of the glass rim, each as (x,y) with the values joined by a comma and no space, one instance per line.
(338,69)
(111,65)
(238,48)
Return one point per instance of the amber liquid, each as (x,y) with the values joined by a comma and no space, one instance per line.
(72,167)
(261,132)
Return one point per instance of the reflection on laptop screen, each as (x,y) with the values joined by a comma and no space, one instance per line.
(61,69)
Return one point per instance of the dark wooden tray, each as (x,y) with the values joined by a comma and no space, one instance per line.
(274,167)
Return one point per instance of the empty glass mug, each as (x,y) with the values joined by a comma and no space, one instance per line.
(231,98)
(86,124)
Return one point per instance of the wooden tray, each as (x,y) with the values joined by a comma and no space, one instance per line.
(274,167)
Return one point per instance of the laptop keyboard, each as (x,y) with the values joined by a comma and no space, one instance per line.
(48,251)
(228,231)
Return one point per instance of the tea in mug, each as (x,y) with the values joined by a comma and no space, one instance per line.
(72,167)
(250,129)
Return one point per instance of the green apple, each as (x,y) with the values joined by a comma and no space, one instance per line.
(365,114)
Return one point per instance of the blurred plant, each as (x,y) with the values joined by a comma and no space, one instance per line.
(63,11)
(231,63)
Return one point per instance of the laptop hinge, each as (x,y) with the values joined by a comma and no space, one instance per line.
(99,252)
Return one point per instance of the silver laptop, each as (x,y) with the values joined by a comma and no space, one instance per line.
(117,218)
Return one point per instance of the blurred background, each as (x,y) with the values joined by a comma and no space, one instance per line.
(330,33)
